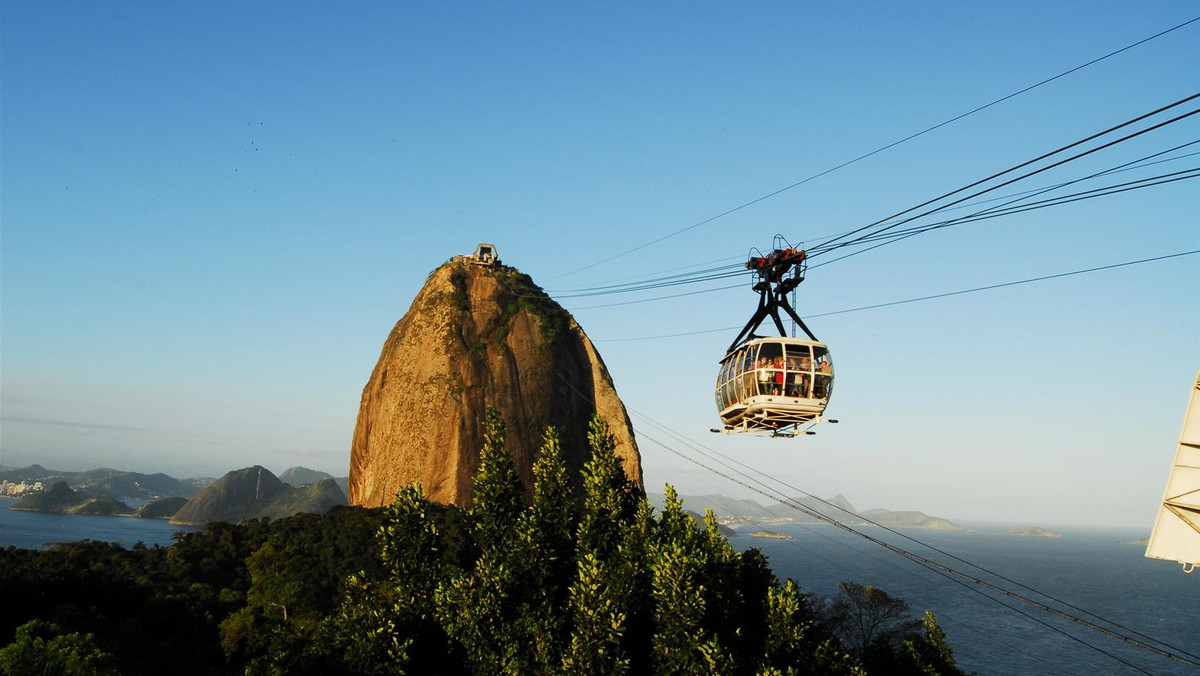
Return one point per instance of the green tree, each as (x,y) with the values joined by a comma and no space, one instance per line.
(547,538)
(683,641)
(794,645)
(278,625)
(611,542)
(610,499)
(930,655)
(41,648)
(598,622)
(386,623)
(498,499)
(482,610)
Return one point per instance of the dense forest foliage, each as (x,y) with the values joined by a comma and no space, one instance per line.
(570,580)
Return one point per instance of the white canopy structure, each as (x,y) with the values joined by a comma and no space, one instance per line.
(1176,535)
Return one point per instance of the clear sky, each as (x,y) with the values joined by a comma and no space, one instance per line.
(211,215)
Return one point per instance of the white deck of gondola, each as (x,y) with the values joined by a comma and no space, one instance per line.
(772,411)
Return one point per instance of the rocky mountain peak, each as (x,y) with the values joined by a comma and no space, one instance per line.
(478,336)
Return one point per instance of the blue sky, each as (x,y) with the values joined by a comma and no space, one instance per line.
(213,213)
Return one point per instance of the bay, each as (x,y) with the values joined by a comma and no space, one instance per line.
(1090,568)
(36,530)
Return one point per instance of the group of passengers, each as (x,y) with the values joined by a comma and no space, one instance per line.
(791,378)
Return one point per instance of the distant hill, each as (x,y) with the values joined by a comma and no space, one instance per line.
(299,476)
(315,498)
(837,507)
(743,511)
(161,509)
(61,499)
(113,483)
(119,484)
(908,519)
(254,492)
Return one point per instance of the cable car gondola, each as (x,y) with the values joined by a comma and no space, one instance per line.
(774,385)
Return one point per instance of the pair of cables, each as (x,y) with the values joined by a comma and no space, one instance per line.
(1022,203)
(1103,140)
(888,231)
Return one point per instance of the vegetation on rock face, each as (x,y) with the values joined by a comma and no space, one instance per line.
(574,578)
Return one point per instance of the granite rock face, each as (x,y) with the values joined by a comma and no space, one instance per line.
(479,336)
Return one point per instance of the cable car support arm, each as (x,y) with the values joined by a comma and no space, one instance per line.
(773,287)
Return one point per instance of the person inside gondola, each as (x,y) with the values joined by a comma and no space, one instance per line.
(789,382)
(823,378)
(801,386)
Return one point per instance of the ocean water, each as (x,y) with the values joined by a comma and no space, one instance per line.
(1091,568)
(34,530)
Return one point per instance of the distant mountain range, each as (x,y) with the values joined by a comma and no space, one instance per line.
(302,476)
(105,482)
(253,493)
(249,493)
(738,511)
(123,485)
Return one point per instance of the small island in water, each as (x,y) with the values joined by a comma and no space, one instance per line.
(1034,532)
(770,535)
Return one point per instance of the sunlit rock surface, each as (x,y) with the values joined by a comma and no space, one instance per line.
(478,336)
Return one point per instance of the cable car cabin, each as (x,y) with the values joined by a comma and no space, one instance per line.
(774,384)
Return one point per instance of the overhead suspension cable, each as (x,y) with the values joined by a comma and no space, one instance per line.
(1027,195)
(834,243)
(886,232)
(1141,163)
(874,152)
(922,298)
(1004,210)
(889,238)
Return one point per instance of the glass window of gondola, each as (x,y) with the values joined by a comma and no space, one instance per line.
(771,368)
(736,378)
(799,371)
(744,374)
(723,384)
(823,373)
(720,382)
